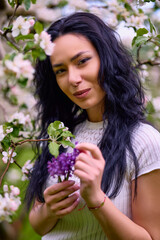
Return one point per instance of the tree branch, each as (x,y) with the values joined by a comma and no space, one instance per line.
(6,169)
(13,146)
(12,17)
(3,34)
(151,63)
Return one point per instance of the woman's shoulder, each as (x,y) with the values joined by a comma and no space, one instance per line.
(146,145)
(145,135)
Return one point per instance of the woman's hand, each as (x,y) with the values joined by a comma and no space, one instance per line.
(89,168)
(61,199)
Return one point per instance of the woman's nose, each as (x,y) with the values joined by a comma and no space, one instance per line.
(74,77)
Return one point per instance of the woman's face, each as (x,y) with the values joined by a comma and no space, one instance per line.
(76,65)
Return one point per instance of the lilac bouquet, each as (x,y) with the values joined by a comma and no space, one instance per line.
(62,166)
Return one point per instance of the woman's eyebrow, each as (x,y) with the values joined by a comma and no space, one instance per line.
(72,59)
(78,55)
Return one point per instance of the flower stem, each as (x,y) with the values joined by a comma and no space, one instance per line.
(59,179)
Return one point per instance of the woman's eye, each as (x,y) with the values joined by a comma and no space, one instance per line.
(59,71)
(84,60)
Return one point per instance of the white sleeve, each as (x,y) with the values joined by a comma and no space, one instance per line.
(146,144)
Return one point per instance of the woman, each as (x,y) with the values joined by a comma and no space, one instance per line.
(115,191)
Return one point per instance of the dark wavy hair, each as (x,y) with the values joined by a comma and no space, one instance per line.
(124,102)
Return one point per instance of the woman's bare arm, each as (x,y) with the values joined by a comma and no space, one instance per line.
(60,200)
(145,208)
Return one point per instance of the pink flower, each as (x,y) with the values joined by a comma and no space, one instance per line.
(14,190)
(31,21)
(20,67)
(44,41)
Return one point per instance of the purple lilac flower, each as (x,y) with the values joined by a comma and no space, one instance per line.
(63,164)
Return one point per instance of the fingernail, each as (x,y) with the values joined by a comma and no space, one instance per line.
(71,181)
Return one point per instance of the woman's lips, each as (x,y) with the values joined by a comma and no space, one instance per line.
(82,93)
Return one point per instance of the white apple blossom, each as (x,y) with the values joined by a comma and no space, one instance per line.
(22,26)
(9,202)
(156,103)
(116,8)
(1,70)
(26,169)
(61,125)
(46,14)
(144,73)
(5,188)
(6,156)
(44,41)
(2,134)
(136,20)
(14,190)
(20,67)
(20,118)
(9,130)
(31,22)
(156,48)
(81,4)
(65,129)
(111,20)
(3,209)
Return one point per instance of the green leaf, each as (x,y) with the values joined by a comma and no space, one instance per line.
(67,143)
(10,56)
(139,40)
(12,3)
(13,100)
(141,31)
(23,106)
(158,36)
(38,27)
(8,28)
(150,108)
(11,45)
(55,125)
(42,55)
(140,10)
(38,53)
(128,7)
(29,46)
(152,27)
(34,1)
(67,134)
(15,132)
(62,3)
(22,82)
(54,149)
(149,0)
(52,128)
(22,37)
(6,143)
(27,4)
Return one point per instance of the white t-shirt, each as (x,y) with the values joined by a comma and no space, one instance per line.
(82,225)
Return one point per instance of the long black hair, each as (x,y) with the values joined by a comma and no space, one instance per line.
(124,101)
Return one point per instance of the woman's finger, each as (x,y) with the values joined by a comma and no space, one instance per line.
(68,209)
(92,148)
(58,187)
